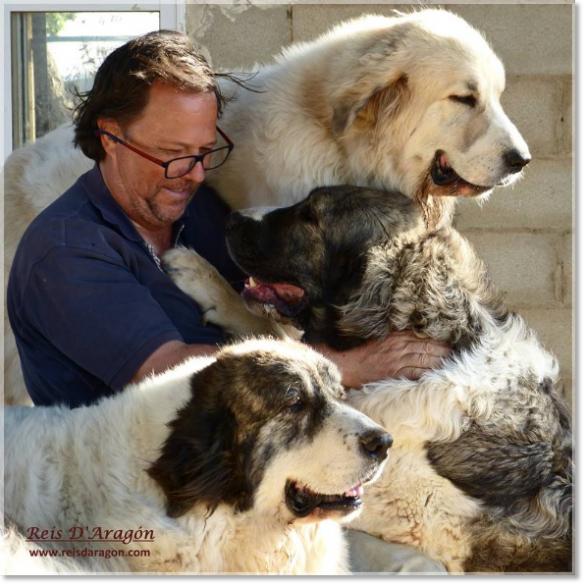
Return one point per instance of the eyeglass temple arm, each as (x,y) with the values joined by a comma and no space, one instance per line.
(129,146)
(225,137)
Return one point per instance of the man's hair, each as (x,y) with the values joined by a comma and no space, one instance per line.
(121,86)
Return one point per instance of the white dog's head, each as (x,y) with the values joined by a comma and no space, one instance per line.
(265,431)
(420,111)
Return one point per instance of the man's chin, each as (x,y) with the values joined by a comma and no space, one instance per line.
(171,205)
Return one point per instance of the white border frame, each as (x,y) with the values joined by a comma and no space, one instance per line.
(172,16)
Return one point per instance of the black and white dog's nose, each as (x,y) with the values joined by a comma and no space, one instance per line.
(233,219)
(377,444)
(515,160)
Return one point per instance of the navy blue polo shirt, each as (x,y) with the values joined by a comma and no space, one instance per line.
(87,301)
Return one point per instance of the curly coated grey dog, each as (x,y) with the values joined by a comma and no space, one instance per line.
(480,475)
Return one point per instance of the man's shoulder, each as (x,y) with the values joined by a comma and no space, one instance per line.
(70,221)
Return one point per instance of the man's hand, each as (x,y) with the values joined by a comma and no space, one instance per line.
(400,354)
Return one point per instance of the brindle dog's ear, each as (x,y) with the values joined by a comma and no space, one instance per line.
(199,462)
(342,277)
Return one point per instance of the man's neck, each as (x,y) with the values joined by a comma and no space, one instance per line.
(161,240)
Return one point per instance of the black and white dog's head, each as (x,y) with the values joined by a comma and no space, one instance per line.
(265,429)
(308,259)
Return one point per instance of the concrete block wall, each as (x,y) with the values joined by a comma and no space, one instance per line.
(525,232)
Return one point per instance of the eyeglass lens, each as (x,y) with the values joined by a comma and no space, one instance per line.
(180,167)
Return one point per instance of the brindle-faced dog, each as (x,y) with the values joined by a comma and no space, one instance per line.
(480,475)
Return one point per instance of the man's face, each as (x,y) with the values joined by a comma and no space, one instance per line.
(173,124)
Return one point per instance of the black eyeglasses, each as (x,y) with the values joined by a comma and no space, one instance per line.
(181,166)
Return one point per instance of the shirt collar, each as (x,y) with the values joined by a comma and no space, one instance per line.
(108,207)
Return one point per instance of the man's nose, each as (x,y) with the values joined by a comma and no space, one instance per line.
(197,174)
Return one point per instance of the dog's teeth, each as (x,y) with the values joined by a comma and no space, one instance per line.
(356,491)
(251,282)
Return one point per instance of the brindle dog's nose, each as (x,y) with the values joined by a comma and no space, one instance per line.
(515,161)
(377,444)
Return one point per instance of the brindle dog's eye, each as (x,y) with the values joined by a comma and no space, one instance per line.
(295,401)
(308,216)
(467,100)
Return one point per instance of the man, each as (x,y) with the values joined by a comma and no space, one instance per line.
(90,305)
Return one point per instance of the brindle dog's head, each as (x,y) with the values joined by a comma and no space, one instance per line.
(308,259)
(265,429)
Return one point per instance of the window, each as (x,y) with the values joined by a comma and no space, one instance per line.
(53,55)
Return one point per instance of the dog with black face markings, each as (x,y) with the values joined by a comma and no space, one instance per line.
(480,475)
(242,463)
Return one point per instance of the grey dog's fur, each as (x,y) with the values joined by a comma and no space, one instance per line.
(489,422)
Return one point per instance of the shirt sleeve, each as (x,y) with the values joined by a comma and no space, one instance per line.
(94,310)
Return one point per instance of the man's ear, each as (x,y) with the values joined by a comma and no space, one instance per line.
(108,144)
(200,462)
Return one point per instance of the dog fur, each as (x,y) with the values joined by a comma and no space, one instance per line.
(480,475)
(372,103)
(208,456)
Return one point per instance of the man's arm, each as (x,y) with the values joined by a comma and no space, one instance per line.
(169,355)
(401,354)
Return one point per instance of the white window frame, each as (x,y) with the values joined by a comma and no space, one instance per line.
(172,16)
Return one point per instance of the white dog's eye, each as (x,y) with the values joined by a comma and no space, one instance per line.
(467,100)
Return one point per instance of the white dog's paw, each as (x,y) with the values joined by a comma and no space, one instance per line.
(197,278)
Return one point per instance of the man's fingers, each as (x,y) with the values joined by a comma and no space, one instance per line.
(408,340)
(411,373)
(420,360)
(436,348)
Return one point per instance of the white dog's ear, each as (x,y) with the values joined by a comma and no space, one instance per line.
(369,102)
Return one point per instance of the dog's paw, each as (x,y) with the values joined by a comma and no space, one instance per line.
(196,277)
(218,301)
(185,261)
(211,316)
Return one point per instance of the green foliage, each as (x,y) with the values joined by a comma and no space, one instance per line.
(56,20)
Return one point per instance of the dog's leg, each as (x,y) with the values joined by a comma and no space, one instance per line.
(220,304)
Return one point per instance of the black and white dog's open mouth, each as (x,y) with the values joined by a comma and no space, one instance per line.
(302,501)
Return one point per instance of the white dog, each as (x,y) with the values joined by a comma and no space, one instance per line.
(408,103)
(241,463)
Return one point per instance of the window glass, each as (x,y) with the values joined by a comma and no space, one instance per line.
(55,53)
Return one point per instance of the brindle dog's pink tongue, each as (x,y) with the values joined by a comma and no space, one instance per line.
(289,293)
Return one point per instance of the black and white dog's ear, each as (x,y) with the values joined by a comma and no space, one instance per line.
(200,462)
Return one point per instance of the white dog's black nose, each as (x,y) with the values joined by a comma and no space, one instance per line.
(516,160)
(377,444)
